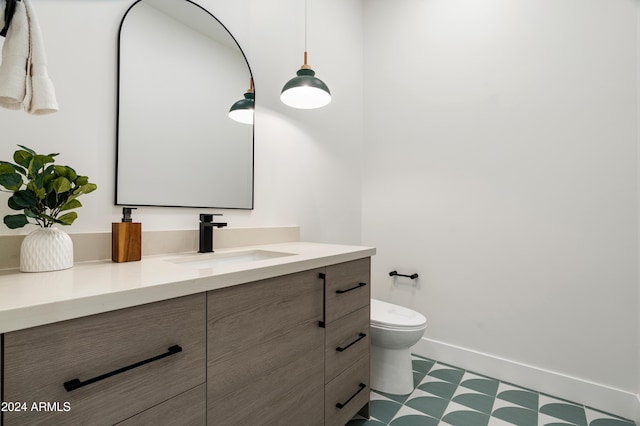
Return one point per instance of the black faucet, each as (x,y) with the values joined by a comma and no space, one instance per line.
(206,231)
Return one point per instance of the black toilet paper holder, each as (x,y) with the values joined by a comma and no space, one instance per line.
(396,274)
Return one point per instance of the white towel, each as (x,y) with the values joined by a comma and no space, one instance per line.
(24,81)
(15,53)
(40,97)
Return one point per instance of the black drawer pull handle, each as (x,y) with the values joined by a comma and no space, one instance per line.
(341,406)
(352,288)
(76,383)
(360,337)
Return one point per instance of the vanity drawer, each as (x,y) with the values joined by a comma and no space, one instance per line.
(38,362)
(347,340)
(189,408)
(348,288)
(347,394)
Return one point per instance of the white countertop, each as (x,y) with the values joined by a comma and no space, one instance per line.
(31,299)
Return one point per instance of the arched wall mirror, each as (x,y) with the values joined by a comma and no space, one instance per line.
(179,72)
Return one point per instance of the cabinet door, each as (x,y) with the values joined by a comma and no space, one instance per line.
(265,363)
(38,362)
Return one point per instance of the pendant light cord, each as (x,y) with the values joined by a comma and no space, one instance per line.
(305,25)
(305,65)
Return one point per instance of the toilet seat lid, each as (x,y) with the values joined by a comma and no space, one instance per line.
(394,316)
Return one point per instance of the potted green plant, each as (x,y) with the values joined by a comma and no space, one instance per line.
(45,193)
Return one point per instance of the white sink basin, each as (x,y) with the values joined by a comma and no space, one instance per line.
(211,260)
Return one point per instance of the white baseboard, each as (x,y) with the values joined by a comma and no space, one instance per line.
(598,396)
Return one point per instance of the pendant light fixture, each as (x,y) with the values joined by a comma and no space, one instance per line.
(242,111)
(305,91)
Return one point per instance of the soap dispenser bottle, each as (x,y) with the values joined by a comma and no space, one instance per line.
(126,238)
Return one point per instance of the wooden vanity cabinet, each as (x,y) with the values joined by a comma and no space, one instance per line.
(39,361)
(293,349)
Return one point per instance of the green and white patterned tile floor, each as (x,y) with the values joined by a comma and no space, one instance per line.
(449,396)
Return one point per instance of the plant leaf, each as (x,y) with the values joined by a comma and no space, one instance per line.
(15,167)
(23,158)
(12,204)
(71,204)
(39,191)
(48,178)
(14,221)
(24,198)
(29,150)
(67,172)
(15,187)
(63,198)
(61,185)
(38,162)
(81,180)
(71,174)
(32,212)
(85,189)
(39,180)
(10,180)
(67,218)
(51,200)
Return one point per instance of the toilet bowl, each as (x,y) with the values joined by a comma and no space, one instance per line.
(394,330)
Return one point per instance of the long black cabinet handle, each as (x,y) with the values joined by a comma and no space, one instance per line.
(352,288)
(76,383)
(341,405)
(360,337)
(323,277)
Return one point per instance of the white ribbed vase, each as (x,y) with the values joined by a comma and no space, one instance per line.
(46,249)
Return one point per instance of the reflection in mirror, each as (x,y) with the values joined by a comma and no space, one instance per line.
(180,71)
(242,111)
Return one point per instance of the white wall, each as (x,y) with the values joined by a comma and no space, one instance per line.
(638,174)
(306,172)
(501,165)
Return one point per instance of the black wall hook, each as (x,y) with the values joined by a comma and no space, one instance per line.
(9,11)
(396,274)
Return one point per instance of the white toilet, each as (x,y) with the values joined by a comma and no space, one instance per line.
(394,330)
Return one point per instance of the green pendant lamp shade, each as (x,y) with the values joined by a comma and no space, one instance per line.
(242,111)
(305,91)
